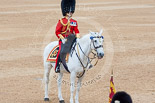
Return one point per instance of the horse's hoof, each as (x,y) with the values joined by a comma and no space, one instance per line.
(46,99)
(61,101)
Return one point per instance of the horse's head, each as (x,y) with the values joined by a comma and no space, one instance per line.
(97,43)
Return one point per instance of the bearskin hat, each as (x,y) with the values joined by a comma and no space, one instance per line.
(122,96)
(67,6)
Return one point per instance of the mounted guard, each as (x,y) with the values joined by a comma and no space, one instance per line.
(65,27)
(78,59)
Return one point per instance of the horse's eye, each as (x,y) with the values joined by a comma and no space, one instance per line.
(95,41)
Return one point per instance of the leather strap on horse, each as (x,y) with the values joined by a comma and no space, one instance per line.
(81,74)
(81,63)
(78,46)
(78,51)
(80,59)
(82,66)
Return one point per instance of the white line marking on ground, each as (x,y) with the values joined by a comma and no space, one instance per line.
(136,24)
(20,72)
(121,7)
(28,11)
(87,8)
(57,5)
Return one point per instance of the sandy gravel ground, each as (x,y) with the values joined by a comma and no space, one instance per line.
(27,26)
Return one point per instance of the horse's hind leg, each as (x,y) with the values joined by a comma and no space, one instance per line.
(47,69)
(59,81)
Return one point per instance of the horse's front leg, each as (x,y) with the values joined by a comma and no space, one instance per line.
(59,81)
(72,85)
(78,89)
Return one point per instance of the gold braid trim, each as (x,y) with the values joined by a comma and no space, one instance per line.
(63,23)
(67,24)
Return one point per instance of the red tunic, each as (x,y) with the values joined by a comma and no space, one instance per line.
(60,28)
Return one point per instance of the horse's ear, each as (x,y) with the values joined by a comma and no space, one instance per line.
(90,32)
(101,31)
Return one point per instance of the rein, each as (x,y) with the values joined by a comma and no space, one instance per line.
(77,54)
(88,58)
(81,63)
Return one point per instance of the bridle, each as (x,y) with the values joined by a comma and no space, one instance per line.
(96,47)
(89,60)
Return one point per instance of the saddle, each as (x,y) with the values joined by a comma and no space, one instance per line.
(64,52)
(53,55)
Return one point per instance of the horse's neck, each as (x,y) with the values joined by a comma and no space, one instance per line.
(85,44)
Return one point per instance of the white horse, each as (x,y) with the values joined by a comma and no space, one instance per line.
(77,62)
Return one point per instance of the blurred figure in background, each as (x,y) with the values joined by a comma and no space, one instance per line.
(121,97)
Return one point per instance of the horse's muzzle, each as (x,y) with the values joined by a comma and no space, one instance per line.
(100,55)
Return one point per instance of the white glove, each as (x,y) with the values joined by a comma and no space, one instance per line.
(63,41)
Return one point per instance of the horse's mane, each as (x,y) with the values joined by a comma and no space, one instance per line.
(84,38)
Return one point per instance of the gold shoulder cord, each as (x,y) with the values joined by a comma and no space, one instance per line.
(63,23)
(67,24)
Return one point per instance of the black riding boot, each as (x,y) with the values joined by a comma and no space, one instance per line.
(57,70)
(63,60)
